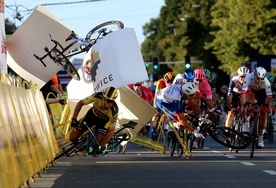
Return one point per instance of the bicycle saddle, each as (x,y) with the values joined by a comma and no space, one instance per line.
(130,124)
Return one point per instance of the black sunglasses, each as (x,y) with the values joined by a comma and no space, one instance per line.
(242,76)
(259,78)
(137,84)
(109,101)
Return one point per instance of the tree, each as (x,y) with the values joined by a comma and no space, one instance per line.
(10,27)
(242,30)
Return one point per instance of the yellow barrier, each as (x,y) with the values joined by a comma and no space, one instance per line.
(27,141)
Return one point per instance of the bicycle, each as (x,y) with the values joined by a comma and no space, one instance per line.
(270,128)
(119,136)
(58,53)
(225,136)
(254,124)
(238,122)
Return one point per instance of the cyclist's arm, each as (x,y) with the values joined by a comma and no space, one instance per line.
(77,109)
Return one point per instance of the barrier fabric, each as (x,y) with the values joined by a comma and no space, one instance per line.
(27,141)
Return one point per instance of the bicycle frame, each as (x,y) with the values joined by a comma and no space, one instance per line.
(81,142)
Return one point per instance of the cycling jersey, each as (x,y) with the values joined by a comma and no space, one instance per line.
(160,84)
(250,85)
(205,89)
(170,100)
(97,115)
(235,88)
(179,79)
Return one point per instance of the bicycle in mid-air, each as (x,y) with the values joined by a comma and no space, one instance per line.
(88,138)
(59,54)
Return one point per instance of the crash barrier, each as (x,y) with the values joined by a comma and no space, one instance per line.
(147,142)
(27,142)
(60,117)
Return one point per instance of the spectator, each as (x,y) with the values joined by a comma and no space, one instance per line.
(146,94)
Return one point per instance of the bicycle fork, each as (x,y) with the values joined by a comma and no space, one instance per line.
(183,144)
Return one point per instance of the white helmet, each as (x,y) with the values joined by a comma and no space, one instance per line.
(242,71)
(260,72)
(188,88)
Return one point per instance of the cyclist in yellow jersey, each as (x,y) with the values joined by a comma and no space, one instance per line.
(103,114)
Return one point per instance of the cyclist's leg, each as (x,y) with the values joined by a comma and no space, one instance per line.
(104,135)
(250,99)
(261,96)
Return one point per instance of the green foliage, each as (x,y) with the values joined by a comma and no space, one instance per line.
(222,34)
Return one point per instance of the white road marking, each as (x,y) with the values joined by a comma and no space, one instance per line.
(248,163)
(271,172)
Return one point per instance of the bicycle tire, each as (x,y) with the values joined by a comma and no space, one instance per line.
(117,23)
(61,60)
(70,149)
(253,135)
(172,145)
(223,135)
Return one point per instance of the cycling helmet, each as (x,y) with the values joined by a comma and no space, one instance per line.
(260,72)
(110,93)
(207,73)
(188,88)
(270,78)
(199,74)
(189,74)
(242,71)
(169,76)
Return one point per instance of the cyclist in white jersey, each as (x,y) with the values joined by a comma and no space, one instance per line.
(234,93)
(256,86)
(172,101)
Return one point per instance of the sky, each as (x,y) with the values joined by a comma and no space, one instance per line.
(82,17)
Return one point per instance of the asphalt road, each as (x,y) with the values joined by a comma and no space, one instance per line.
(212,166)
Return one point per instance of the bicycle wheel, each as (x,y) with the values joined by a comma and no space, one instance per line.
(237,126)
(225,136)
(172,144)
(61,60)
(103,29)
(253,135)
(70,148)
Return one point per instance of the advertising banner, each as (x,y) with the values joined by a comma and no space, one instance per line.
(3,55)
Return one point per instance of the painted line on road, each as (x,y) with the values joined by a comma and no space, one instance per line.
(248,163)
(230,156)
(271,172)
(184,161)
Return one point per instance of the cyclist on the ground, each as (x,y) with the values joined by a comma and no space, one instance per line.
(103,114)
(234,93)
(256,86)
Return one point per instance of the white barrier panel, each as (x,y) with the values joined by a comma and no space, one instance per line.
(115,60)
(31,38)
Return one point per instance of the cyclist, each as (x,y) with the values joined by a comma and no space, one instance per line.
(203,86)
(162,83)
(167,80)
(213,88)
(103,114)
(173,99)
(234,92)
(256,86)
(272,81)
